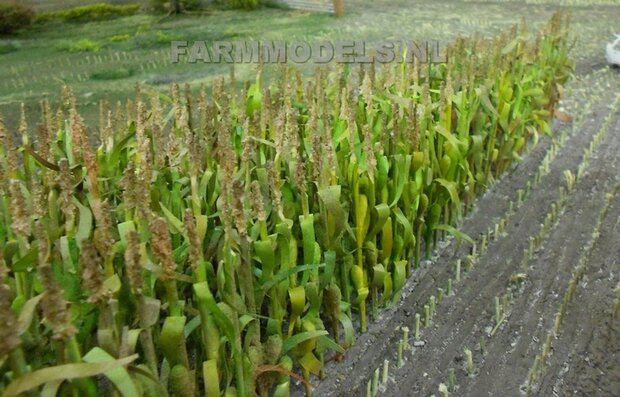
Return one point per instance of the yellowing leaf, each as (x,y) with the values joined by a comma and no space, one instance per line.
(63,372)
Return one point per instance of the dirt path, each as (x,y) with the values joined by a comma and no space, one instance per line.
(529,285)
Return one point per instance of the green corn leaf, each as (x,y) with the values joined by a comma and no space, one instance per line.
(361,219)
(113,284)
(202,223)
(451,138)
(65,254)
(203,293)
(380,215)
(349,330)
(283,389)
(263,141)
(400,277)
(292,341)
(254,99)
(510,47)
(27,262)
(211,378)
(85,224)
(150,384)
(50,389)
(131,341)
(358,277)
(114,156)
(403,165)
(244,320)
(28,149)
(297,297)
(177,225)
(483,94)
(330,267)
(378,275)
(310,363)
(11,247)
(123,230)
(325,343)
(118,376)
(180,381)
(191,326)
(459,235)
(265,252)
(63,372)
(330,197)
(407,236)
(386,240)
(451,187)
(172,341)
(149,311)
(307,230)
(27,313)
(388,287)
(283,275)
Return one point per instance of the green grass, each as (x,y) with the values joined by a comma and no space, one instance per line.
(37,62)
(113,74)
(55,5)
(8,46)
(49,56)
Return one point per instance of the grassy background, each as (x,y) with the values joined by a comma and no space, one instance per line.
(106,59)
(52,5)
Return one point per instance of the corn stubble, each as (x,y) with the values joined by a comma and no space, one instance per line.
(215,244)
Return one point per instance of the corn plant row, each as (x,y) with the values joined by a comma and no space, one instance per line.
(215,243)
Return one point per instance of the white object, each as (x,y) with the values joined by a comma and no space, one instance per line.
(613,51)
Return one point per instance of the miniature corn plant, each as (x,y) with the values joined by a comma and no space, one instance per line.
(217,243)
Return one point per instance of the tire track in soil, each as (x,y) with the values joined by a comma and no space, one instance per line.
(451,333)
(383,335)
(585,359)
(511,352)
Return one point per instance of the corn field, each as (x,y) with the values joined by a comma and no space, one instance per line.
(225,242)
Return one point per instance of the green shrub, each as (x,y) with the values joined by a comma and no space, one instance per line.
(14,17)
(245,4)
(166,5)
(275,4)
(160,5)
(150,39)
(83,45)
(93,12)
(113,74)
(166,37)
(192,4)
(120,37)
